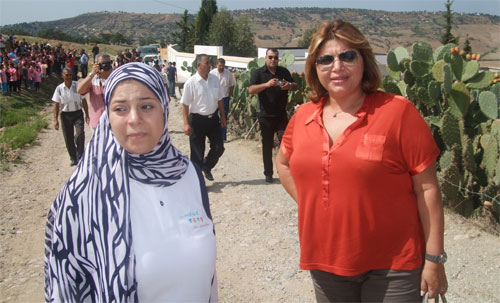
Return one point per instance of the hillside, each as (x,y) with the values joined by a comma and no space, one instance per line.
(286,26)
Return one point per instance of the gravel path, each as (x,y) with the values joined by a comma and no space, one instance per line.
(256,225)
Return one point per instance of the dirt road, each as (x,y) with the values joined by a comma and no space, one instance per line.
(256,225)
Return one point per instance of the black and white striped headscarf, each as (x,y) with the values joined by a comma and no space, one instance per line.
(88,246)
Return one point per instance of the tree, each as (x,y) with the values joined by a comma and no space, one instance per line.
(235,36)
(306,39)
(244,39)
(184,37)
(447,36)
(467,47)
(221,31)
(207,11)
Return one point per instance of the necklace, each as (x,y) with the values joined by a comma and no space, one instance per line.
(335,114)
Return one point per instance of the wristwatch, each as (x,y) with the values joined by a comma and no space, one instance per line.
(437,259)
(91,74)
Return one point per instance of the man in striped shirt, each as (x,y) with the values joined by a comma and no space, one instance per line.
(70,103)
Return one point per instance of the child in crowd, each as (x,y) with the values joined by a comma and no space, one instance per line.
(12,72)
(37,78)
(3,80)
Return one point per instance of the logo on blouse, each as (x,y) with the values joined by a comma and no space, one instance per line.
(195,219)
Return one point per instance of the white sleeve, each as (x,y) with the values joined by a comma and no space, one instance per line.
(187,94)
(56,97)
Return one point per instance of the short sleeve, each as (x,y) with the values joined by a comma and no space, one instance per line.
(56,97)
(187,94)
(418,146)
(255,79)
(287,142)
(231,79)
(288,76)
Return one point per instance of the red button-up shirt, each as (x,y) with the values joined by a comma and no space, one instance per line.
(357,210)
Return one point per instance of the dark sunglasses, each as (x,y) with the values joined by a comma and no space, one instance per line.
(326,61)
(273,57)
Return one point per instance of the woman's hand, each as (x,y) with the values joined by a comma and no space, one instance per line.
(433,279)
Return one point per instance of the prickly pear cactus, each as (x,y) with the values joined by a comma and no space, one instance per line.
(463,102)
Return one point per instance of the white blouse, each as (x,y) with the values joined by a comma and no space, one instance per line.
(173,241)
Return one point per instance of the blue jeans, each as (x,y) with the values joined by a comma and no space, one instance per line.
(226,113)
(171,87)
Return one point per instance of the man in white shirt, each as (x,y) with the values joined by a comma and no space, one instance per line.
(70,103)
(226,80)
(84,63)
(201,98)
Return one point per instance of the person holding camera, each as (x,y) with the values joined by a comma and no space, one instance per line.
(93,84)
(271,83)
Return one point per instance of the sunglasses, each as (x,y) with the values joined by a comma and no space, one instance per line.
(273,57)
(325,62)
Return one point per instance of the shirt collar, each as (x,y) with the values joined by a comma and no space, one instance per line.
(199,78)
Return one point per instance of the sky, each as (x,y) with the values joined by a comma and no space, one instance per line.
(17,11)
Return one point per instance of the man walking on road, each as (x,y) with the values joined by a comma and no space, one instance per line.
(94,84)
(271,82)
(172,78)
(95,52)
(84,63)
(226,80)
(70,103)
(201,97)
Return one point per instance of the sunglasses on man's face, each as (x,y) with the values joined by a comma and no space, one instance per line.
(273,57)
(326,61)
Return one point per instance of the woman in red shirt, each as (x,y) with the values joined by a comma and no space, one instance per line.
(360,164)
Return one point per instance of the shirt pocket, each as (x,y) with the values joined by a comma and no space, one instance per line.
(371,147)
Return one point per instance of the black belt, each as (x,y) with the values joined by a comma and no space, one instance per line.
(206,116)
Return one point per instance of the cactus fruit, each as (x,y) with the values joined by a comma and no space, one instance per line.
(442,50)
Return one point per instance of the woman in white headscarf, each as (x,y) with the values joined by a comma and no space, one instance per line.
(133,222)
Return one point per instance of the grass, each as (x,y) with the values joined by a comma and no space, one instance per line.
(20,119)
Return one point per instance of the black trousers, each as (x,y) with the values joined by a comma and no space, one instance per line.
(268,127)
(84,68)
(203,127)
(75,72)
(72,128)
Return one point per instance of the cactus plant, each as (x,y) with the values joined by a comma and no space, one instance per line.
(463,103)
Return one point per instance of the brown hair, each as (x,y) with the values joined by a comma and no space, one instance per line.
(349,34)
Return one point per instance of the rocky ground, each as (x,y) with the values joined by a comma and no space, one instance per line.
(256,226)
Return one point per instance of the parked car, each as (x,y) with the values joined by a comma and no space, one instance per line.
(148,50)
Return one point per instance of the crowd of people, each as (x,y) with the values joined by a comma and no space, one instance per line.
(24,65)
